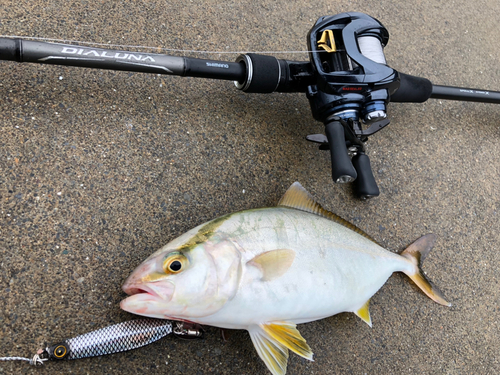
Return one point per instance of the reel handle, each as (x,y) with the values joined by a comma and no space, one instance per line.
(342,169)
(364,186)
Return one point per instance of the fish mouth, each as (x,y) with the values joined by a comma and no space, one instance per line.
(132,290)
(160,291)
(147,300)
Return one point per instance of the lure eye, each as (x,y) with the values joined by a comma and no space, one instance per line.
(175,263)
(60,351)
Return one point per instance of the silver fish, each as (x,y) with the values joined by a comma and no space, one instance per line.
(267,270)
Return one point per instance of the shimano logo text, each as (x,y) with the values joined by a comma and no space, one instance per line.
(218,65)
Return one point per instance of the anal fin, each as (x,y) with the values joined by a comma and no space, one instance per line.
(364,313)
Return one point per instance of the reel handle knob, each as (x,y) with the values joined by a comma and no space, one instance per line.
(342,169)
(365,185)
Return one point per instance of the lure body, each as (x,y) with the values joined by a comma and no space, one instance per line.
(117,338)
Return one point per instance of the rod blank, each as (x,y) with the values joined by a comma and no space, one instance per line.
(99,58)
(465,94)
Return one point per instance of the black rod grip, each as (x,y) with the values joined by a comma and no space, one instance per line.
(365,185)
(10,49)
(412,89)
(263,73)
(342,168)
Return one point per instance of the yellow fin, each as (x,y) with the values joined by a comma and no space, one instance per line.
(274,355)
(287,335)
(299,198)
(364,313)
(416,253)
(272,341)
(273,263)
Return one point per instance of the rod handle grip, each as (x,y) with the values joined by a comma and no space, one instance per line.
(412,89)
(10,49)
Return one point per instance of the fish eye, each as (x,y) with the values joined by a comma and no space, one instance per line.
(175,263)
(175,266)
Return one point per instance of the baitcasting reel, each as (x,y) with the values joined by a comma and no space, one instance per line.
(348,84)
(353,85)
(347,81)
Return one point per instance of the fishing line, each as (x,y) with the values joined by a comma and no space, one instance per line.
(149,47)
(36,360)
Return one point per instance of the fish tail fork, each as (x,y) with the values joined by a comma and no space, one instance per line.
(416,253)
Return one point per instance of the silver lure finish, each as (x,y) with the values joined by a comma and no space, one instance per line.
(119,338)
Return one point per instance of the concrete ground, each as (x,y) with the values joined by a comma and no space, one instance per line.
(98,169)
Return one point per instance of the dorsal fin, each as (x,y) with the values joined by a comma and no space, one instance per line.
(299,198)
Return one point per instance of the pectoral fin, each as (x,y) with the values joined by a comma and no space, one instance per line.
(272,341)
(364,313)
(273,263)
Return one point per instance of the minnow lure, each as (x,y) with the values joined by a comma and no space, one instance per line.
(113,339)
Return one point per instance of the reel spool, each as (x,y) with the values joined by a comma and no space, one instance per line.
(371,47)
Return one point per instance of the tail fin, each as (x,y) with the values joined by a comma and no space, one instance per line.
(416,253)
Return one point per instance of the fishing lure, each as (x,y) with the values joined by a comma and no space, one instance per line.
(116,338)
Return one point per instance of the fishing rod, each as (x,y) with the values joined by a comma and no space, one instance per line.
(347,81)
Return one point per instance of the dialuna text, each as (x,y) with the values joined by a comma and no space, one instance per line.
(107,54)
